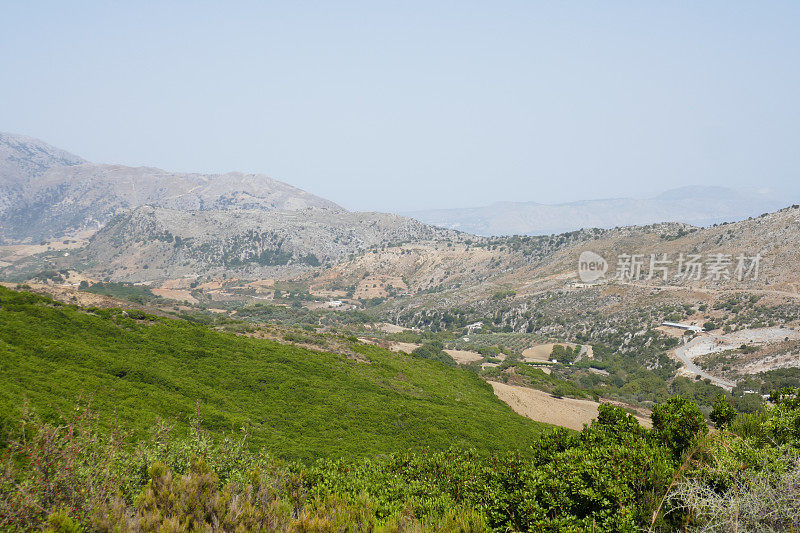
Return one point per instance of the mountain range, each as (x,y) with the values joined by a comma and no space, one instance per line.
(150,243)
(150,225)
(698,206)
(48,193)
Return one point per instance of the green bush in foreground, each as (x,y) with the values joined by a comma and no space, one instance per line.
(334,444)
(613,476)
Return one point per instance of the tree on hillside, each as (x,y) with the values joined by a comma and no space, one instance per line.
(676,423)
(723,413)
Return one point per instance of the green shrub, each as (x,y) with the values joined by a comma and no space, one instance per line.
(615,475)
(434,351)
(723,413)
(676,424)
(298,403)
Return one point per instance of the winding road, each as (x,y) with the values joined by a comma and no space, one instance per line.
(715,343)
(690,368)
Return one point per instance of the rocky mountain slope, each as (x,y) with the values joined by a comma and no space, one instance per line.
(22,158)
(774,237)
(47,193)
(513,277)
(699,206)
(478,267)
(153,243)
(159,225)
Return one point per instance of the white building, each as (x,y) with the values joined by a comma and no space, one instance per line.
(687,327)
(473,327)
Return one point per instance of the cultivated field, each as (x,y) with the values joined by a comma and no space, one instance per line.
(541,352)
(406,347)
(516,342)
(541,406)
(464,356)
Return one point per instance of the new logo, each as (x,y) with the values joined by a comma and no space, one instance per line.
(591,266)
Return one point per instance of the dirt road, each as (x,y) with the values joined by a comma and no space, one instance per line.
(692,369)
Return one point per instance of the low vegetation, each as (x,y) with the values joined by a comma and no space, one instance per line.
(71,475)
(180,426)
(298,404)
(140,294)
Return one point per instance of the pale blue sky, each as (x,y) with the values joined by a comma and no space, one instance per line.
(403,105)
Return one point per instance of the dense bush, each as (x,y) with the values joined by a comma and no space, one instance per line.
(135,293)
(615,475)
(677,423)
(435,352)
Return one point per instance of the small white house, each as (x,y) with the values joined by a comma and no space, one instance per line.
(473,327)
(687,327)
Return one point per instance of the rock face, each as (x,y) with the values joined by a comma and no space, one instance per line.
(151,243)
(23,159)
(46,192)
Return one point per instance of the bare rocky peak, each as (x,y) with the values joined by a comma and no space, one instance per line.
(22,158)
(135,186)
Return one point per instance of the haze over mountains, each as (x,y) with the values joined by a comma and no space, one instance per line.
(156,225)
(47,193)
(698,206)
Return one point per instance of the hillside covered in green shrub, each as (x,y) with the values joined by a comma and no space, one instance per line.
(614,476)
(135,369)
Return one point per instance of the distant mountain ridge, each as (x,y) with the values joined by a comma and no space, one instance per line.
(156,225)
(46,192)
(698,206)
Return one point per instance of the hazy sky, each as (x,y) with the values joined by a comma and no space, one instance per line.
(403,105)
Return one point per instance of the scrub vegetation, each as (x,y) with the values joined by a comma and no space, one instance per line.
(299,404)
(119,420)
